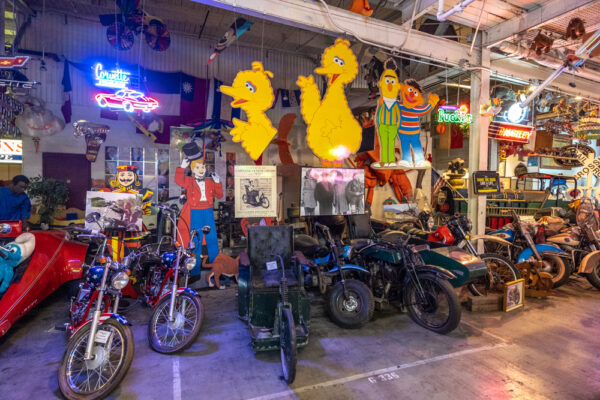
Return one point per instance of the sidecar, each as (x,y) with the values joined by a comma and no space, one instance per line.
(55,261)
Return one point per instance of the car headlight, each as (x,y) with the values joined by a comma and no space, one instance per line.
(190,263)
(120,280)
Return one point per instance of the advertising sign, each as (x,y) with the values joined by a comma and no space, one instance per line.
(11,151)
(485,182)
(510,132)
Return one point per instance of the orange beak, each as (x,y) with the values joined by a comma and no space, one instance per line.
(390,87)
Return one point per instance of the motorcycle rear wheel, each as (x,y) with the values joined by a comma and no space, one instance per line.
(594,277)
(500,271)
(556,267)
(287,345)
(73,378)
(264,202)
(439,297)
(170,337)
(354,311)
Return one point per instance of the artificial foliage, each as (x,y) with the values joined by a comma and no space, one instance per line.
(50,192)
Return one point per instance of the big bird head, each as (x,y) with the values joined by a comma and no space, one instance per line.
(338,63)
(251,89)
(389,84)
(412,94)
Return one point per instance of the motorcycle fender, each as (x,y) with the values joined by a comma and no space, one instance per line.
(350,267)
(434,269)
(179,290)
(589,262)
(541,248)
(491,238)
(121,319)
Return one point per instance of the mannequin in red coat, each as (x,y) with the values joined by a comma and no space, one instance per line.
(197,212)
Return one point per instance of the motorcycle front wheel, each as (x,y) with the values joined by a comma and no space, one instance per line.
(438,308)
(287,344)
(111,358)
(556,267)
(264,202)
(166,336)
(500,271)
(351,309)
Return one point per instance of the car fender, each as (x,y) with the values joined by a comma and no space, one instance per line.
(491,238)
(121,319)
(589,262)
(178,291)
(541,248)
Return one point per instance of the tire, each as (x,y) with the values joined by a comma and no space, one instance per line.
(556,267)
(77,344)
(420,312)
(594,277)
(500,271)
(354,312)
(264,202)
(245,198)
(127,106)
(159,322)
(287,345)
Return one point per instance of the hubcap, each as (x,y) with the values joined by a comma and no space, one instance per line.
(350,304)
(97,358)
(178,322)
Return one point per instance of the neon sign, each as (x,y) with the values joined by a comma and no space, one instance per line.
(11,151)
(510,132)
(116,78)
(454,115)
(126,100)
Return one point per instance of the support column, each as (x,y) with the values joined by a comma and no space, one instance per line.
(2,27)
(478,139)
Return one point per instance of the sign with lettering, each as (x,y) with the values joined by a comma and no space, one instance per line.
(510,132)
(11,151)
(448,114)
(115,78)
(592,166)
(486,182)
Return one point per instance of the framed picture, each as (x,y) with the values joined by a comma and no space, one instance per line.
(332,191)
(514,295)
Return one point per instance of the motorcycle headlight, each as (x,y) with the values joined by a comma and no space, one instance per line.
(120,280)
(190,263)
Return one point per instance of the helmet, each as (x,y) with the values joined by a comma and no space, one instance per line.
(168,258)
(94,275)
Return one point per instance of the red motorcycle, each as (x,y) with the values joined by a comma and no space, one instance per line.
(55,261)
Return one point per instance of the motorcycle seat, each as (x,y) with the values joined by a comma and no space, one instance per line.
(359,244)
(270,279)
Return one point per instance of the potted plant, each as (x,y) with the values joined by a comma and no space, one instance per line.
(50,193)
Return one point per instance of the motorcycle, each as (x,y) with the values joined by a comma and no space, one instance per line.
(178,312)
(349,301)
(100,349)
(500,269)
(252,198)
(582,243)
(399,274)
(517,244)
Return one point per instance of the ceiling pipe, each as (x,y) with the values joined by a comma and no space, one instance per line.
(442,16)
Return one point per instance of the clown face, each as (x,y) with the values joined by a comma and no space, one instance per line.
(126,178)
(198,169)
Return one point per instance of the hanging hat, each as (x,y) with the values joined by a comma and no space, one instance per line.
(191,151)
(123,168)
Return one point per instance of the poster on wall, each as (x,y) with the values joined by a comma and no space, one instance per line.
(332,191)
(229,180)
(255,191)
(109,211)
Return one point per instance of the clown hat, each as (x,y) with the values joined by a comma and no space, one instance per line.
(123,168)
(192,151)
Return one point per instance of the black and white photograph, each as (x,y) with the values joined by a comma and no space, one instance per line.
(255,191)
(332,191)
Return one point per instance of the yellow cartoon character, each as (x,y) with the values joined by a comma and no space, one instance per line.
(252,92)
(388,116)
(410,127)
(333,133)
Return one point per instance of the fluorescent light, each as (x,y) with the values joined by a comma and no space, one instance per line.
(452,84)
(578,98)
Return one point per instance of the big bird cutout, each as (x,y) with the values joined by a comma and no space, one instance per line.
(332,133)
(388,115)
(410,127)
(252,92)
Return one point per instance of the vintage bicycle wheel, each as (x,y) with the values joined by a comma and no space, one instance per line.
(96,378)
(287,344)
(168,337)
(500,271)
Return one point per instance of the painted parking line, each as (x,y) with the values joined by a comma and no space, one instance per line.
(485,332)
(176,379)
(388,370)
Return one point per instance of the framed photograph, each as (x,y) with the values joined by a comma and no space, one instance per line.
(514,295)
(255,191)
(108,211)
(332,191)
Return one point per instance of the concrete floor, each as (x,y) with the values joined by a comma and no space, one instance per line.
(548,350)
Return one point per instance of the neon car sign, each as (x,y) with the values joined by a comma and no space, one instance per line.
(454,115)
(116,78)
(126,100)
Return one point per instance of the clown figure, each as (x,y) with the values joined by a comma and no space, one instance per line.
(410,127)
(197,212)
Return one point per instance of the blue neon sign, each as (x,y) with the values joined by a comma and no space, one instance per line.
(116,78)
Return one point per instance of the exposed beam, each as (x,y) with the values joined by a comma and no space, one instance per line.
(407,8)
(312,16)
(549,11)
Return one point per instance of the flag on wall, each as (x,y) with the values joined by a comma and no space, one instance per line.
(67,89)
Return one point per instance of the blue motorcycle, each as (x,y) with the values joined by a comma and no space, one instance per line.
(517,243)
(348,300)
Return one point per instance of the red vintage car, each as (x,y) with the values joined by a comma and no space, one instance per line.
(127,100)
(55,261)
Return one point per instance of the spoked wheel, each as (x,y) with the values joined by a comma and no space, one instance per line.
(112,355)
(556,267)
(438,308)
(167,336)
(264,202)
(352,309)
(500,271)
(594,277)
(287,344)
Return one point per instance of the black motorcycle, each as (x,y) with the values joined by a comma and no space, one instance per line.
(253,198)
(399,275)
